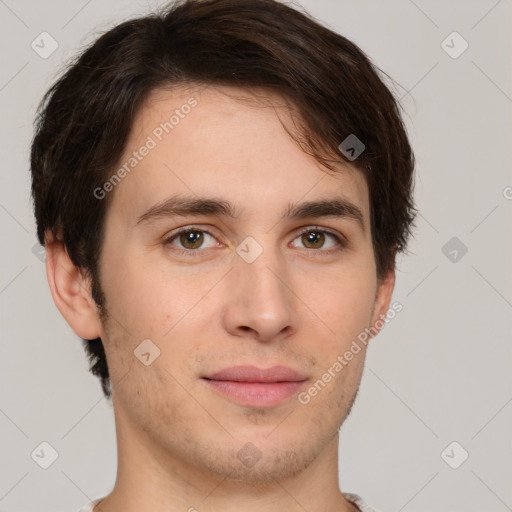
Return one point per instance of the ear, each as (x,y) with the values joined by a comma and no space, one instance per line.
(70,288)
(384,292)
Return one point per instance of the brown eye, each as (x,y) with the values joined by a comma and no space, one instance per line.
(191,239)
(320,240)
(313,239)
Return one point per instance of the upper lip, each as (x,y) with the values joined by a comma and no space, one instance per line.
(278,373)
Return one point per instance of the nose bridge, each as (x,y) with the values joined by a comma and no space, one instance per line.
(264,277)
(260,298)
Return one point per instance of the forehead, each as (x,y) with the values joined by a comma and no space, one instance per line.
(227,143)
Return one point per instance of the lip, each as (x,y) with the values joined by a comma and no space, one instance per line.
(248,373)
(257,387)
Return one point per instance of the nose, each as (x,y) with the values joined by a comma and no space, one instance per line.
(261,304)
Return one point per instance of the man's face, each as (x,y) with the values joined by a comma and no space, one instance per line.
(215,299)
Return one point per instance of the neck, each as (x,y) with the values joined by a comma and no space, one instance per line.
(150,478)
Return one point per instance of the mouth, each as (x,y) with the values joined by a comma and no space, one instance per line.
(255,387)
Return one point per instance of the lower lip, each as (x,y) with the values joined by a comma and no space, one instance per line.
(256,394)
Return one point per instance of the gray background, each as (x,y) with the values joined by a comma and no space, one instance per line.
(438,373)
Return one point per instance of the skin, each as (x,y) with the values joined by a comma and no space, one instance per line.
(177,438)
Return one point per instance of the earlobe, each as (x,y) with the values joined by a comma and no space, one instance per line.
(70,289)
(382,301)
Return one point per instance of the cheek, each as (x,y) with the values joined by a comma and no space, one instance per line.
(343,301)
(143,298)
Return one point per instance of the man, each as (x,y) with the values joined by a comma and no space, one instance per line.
(222,189)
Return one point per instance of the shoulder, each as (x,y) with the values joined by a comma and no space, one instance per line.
(359,502)
(89,506)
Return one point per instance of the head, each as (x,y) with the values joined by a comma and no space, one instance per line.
(225,116)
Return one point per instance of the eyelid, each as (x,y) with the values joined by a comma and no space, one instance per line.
(307,229)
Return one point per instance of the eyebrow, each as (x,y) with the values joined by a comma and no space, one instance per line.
(197,206)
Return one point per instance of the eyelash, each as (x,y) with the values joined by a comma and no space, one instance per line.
(195,252)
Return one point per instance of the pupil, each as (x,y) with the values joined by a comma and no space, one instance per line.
(193,238)
(314,237)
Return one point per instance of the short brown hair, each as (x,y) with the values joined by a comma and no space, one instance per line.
(86,116)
